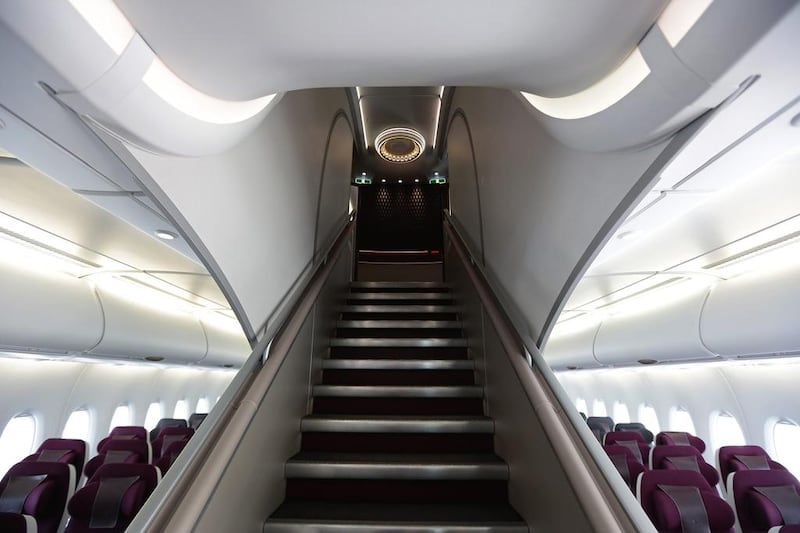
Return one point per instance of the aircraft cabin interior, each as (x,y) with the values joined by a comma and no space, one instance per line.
(420,267)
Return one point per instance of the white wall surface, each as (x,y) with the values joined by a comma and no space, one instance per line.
(542,203)
(51,390)
(254,207)
(756,394)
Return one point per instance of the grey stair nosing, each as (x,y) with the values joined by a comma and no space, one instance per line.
(376,424)
(398,284)
(341,526)
(391,342)
(398,364)
(395,470)
(386,308)
(387,391)
(399,324)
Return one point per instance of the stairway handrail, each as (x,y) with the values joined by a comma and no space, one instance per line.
(180,501)
(591,474)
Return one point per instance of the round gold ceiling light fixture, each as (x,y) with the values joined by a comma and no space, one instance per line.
(400,145)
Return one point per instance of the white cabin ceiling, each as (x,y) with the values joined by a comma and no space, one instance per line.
(247,48)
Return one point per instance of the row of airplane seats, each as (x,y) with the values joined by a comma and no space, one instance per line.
(40,494)
(678,490)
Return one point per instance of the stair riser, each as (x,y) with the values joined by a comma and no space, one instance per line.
(397,442)
(398,377)
(461,491)
(398,333)
(377,315)
(349,352)
(395,301)
(398,406)
(393,527)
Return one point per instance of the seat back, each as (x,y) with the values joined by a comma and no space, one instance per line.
(600,425)
(737,458)
(70,451)
(764,499)
(169,455)
(167,436)
(17,523)
(122,433)
(167,422)
(682,458)
(136,451)
(625,462)
(40,490)
(679,500)
(111,497)
(631,440)
(195,419)
(680,438)
(638,427)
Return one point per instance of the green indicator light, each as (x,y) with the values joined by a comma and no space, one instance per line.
(363,181)
(437,181)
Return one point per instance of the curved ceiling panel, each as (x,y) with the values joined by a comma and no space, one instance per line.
(246,48)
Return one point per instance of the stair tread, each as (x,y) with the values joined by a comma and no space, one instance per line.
(457,458)
(396,512)
(399,324)
(398,308)
(400,391)
(399,364)
(398,424)
(400,296)
(394,342)
(398,284)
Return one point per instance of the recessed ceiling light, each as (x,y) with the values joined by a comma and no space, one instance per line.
(416,180)
(166,235)
(383,180)
(363,173)
(435,173)
(400,145)
(399,181)
(630,235)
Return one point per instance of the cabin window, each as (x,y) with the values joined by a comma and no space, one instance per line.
(786,441)
(726,431)
(181,410)
(202,405)
(599,408)
(79,425)
(121,417)
(154,413)
(648,417)
(621,413)
(681,420)
(16,441)
(580,405)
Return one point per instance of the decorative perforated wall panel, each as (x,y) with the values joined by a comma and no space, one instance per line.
(400,217)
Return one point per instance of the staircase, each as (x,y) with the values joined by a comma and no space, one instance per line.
(397,439)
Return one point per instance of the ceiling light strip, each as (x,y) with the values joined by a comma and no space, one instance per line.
(107,21)
(679,17)
(110,23)
(363,118)
(600,96)
(438,117)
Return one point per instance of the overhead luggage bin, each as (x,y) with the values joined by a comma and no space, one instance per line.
(67,305)
(133,330)
(663,333)
(754,315)
(574,350)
